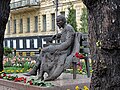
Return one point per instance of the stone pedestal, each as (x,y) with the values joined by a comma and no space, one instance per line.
(64,82)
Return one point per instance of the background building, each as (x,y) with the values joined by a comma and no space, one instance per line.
(32,20)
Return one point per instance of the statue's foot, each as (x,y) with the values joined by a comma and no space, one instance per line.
(31,73)
(49,79)
(40,77)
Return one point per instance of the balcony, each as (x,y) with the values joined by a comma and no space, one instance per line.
(24,5)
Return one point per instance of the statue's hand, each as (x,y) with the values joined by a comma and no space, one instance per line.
(48,39)
(50,49)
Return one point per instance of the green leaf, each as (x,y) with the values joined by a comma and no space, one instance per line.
(71,19)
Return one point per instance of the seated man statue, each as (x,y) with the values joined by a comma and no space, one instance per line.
(52,58)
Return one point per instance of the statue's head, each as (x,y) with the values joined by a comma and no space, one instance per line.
(60,20)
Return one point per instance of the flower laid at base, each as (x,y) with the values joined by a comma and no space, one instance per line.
(24,80)
(81,67)
(79,55)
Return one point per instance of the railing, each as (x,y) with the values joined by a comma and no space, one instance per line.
(23,3)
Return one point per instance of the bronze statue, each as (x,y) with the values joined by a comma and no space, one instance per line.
(53,57)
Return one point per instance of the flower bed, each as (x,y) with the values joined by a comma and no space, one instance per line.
(10,70)
(17,64)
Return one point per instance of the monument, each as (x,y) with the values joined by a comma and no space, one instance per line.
(54,59)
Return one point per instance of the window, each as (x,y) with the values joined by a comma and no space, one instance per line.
(20,43)
(35,43)
(27,43)
(14,26)
(62,13)
(44,22)
(8,43)
(28,24)
(8,26)
(14,43)
(53,21)
(36,23)
(21,25)
(43,42)
(34,1)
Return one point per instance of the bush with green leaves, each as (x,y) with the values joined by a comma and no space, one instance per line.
(7,51)
(84,21)
(71,19)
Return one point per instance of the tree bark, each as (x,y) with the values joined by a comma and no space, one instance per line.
(104,37)
(4,14)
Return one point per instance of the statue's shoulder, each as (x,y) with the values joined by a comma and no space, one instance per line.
(68,27)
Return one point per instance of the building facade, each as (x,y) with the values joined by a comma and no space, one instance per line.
(30,21)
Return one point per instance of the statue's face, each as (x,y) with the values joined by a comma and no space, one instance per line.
(59,23)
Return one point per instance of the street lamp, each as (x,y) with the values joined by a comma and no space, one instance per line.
(56,4)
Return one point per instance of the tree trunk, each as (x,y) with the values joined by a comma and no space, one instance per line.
(104,37)
(4,14)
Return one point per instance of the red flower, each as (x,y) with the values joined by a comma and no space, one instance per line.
(1,76)
(80,56)
(76,54)
(30,82)
(4,74)
(15,79)
(24,80)
(9,76)
(19,79)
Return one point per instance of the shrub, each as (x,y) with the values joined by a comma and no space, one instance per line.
(7,51)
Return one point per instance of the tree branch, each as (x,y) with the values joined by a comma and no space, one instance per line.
(90,3)
(4,14)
